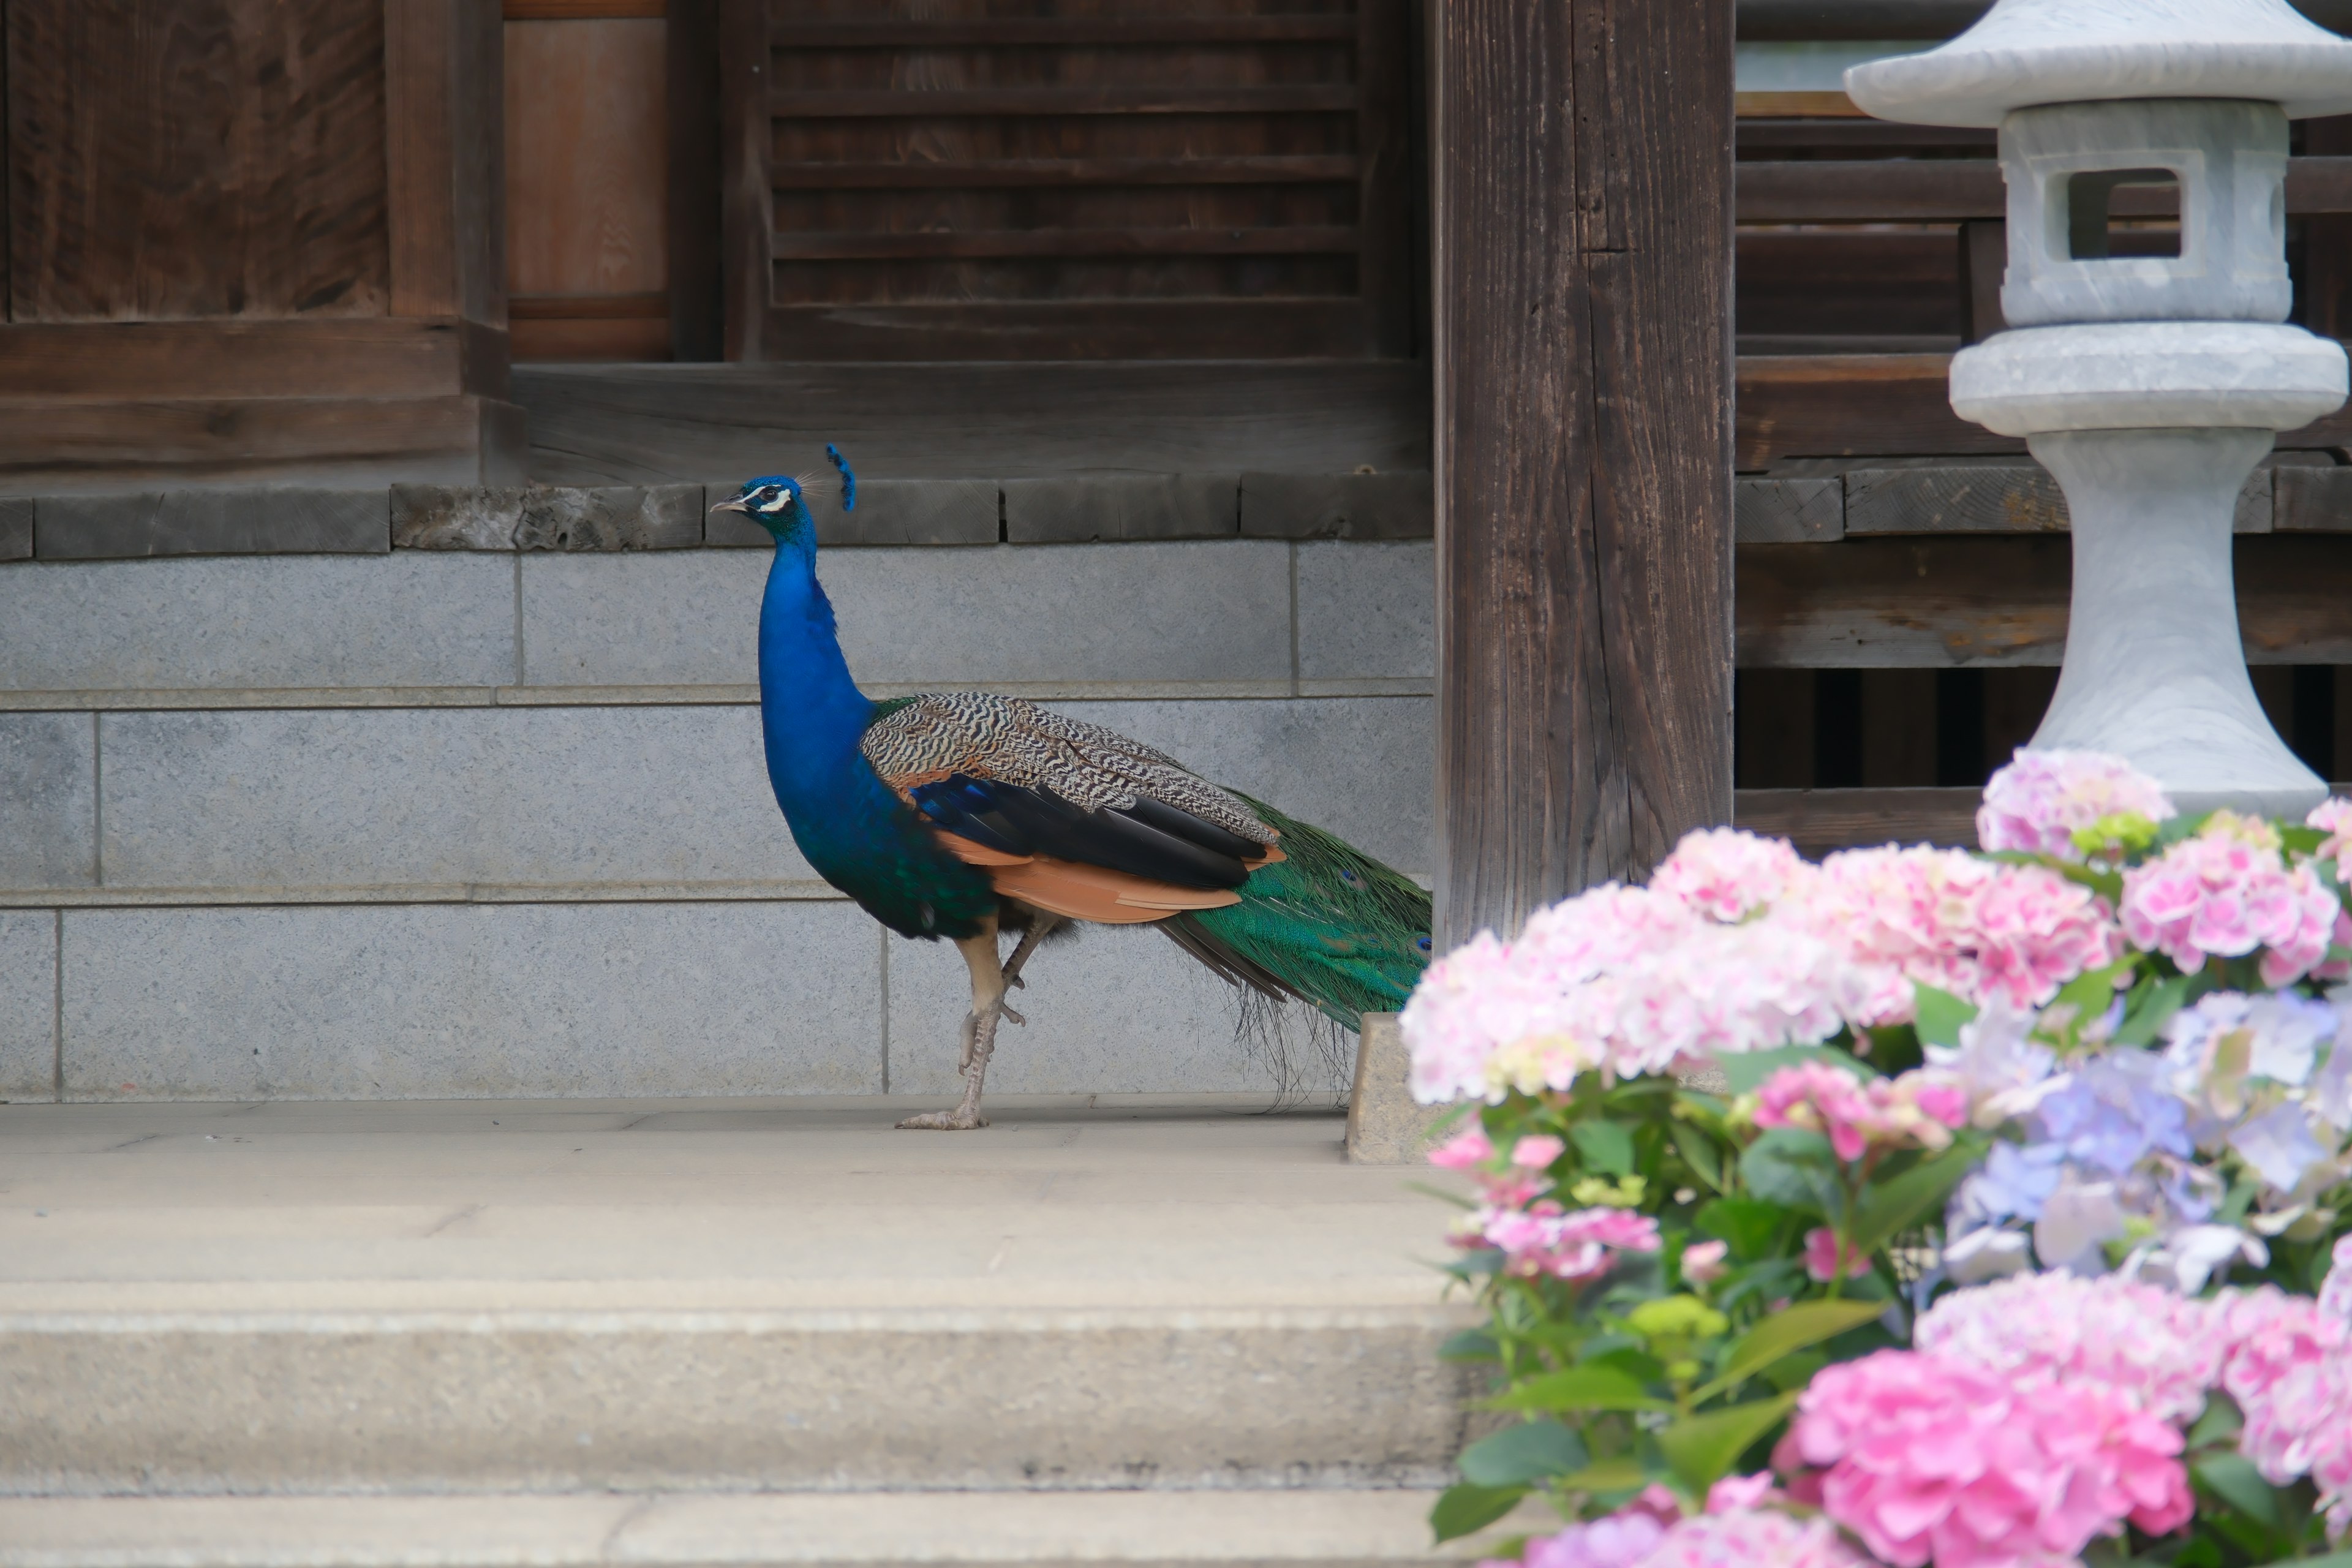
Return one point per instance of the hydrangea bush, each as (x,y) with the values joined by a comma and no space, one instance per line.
(1917,1206)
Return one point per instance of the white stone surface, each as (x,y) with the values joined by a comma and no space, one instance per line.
(1367,611)
(369,797)
(2229,162)
(1364,768)
(1188,611)
(412,619)
(28,1004)
(48,826)
(2029,52)
(2154,670)
(2147,375)
(1111,1010)
(456,1001)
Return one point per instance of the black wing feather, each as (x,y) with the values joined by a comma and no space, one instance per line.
(1018,820)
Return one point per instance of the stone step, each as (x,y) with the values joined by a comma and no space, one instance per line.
(710,1297)
(1299,1529)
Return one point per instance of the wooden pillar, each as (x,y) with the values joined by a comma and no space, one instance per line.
(1582,159)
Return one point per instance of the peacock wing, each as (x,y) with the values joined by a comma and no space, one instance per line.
(1005,779)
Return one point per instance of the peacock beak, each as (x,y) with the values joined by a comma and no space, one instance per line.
(737,504)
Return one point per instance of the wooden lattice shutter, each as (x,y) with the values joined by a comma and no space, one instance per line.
(974,179)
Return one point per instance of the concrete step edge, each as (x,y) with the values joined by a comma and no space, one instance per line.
(1294,1529)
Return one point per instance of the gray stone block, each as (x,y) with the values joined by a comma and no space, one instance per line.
(1386,1126)
(1367,611)
(1114,1009)
(17,528)
(49,826)
(546,517)
(1338,506)
(379,797)
(211,523)
(29,1005)
(949,617)
(1787,512)
(1985,497)
(457,1002)
(889,511)
(1076,509)
(275,621)
(1362,767)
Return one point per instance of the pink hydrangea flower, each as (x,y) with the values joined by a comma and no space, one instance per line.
(2160,1351)
(2334,817)
(1928,1460)
(1918,1109)
(1754,1538)
(1537,1151)
(1465,1151)
(1620,1541)
(1742,1491)
(1728,875)
(1980,930)
(1825,1254)
(2041,799)
(1575,1246)
(2226,892)
(2290,1371)
(1703,1262)
(2334,1292)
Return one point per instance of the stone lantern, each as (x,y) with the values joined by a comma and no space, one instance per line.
(2149,386)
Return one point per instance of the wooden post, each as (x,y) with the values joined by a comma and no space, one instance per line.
(1582,232)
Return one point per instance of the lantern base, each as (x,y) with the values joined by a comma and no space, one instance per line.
(2155,672)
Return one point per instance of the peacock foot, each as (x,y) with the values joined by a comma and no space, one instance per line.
(962,1118)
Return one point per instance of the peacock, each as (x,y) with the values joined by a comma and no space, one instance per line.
(966,816)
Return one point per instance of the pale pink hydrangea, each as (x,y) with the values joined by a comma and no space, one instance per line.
(1826,1256)
(1727,874)
(2334,817)
(1980,930)
(1704,1263)
(1917,1109)
(1578,1245)
(1620,1541)
(1465,1150)
(2290,1372)
(1928,1459)
(1754,1538)
(2335,1290)
(2041,799)
(2161,1351)
(2225,892)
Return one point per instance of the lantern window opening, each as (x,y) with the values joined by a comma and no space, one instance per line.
(2096,228)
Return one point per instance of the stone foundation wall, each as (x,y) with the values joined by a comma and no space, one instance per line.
(472,820)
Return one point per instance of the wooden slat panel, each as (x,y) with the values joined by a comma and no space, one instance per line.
(1934,190)
(176,159)
(827,33)
(1071,329)
(807,246)
(1860,20)
(1896,603)
(380,357)
(45,449)
(1027,101)
(587,157)
(588,308)
(1819,821)
(583,10)
(1035,173)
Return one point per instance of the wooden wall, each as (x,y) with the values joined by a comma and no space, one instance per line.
(930,179)
(252,238)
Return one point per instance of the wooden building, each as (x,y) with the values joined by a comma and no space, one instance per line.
(1630,323)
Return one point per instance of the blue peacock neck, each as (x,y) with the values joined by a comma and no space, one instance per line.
(810,713)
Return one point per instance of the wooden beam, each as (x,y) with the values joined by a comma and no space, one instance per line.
(1030,32)
(972,243)
(445,90)
(917,104)
(1946,190)
(1040,174)
(1819,821)
(697,324)
(747,199)
(1583,157)
(342,357)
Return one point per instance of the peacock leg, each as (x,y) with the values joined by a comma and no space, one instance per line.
(988,985)
(1041,925)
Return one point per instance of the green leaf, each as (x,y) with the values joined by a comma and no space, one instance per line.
(1606,1146)
(2218,1422)
(1793,1372)
(1746,1225)
(1794,1168)
(1939,1015)
(2332,1560)
(1470,1344)
(1888,1208)
(2093,992)
(1702,1448)
(1745,1069)
(1461,1510)
(1522,1454)
(1698,1153)
(2233,1478)
(1791,1329)
(1621,1474)
(2145,1016)
(1588,1388)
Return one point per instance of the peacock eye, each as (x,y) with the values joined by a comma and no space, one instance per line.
(1422,942)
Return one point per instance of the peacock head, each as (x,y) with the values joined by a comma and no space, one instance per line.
(778,502)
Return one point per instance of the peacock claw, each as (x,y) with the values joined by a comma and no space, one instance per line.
(962,1118)
(1011,1016)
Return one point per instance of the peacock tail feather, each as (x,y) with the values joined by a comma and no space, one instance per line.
(1329,925)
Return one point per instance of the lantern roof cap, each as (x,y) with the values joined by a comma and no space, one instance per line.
(2023,53)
